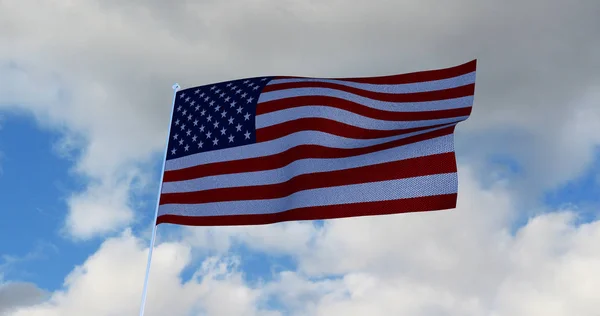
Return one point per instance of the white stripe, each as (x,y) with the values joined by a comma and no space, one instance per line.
(372,103)
(343,116)
(280,145)
(428,147)
(392,88)
(365,192)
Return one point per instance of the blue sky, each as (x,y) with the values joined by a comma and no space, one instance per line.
(85,90)
(39,183)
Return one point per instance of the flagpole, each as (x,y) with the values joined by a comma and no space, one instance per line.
(152,240)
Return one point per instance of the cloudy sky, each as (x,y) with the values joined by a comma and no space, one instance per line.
(85,91)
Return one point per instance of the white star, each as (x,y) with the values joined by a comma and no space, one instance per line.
(213,87)
(184,112)
(221,95)
(230,120)
(250,99)
(182,95)
(223,114)
(227,99)
(238,91)
(239,127)
(177,122)
(263,79)
(203,94)
(208,134)
(197,91)
(202,128)
(179,108)
(218,107)
(194,138)
(231,138)
(216,124)
(192,103)
(180,142)
(189,117)
(203,112)
(187,99)
(255,88)
(206,99)
(244,95)
(247,135)
(175,136)
(251,84)
(188,133)
(215,141)
(200,144)
(187,147)
(223,130)
(218,90)
(212,102)
(173,151)
(239,110)
(209,118)
(182,127)
(246,81)
(197,107)
(234,87)
(229,84)
(195,122)
(247,116)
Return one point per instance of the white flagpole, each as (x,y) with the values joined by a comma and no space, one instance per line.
(152,240)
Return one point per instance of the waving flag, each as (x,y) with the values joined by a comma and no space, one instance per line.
(271,149)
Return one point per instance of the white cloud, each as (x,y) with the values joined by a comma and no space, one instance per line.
(100,209)
(553,150)
(110,283)
(279,238)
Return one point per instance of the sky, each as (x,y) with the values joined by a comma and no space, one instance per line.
(85,94)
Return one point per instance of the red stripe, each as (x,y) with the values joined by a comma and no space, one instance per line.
(451,93)
(357,108)
(331,127)
(401,169)
(421,76)
(420,204)
(296,153)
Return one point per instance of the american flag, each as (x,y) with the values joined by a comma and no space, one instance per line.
(271,149)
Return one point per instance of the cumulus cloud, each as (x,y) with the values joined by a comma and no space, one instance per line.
(460,262)
(100,209)
(101,72)
(110,283)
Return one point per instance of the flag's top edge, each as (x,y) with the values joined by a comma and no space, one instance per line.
(411,77)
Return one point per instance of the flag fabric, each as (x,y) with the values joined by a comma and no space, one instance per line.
(272,149)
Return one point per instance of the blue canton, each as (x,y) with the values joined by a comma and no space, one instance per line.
(214,116)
